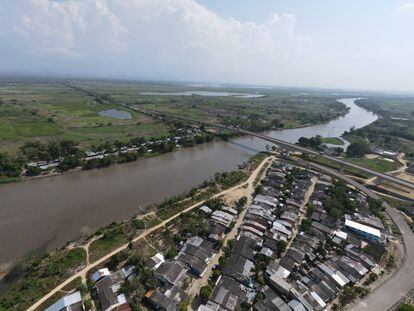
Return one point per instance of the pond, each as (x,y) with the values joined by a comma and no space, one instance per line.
(117,114)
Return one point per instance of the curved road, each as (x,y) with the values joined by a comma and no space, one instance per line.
(401,283)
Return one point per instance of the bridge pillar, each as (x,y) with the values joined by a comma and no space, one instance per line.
(378,181)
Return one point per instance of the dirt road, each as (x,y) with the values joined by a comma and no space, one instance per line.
(83,273)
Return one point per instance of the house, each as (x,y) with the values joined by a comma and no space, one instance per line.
(167,298)
(108,292)
(280,285)
(229,210)
(196,266)
(365,231)
(210,306)
(272,202)
(296,305)
(245,246)
(271,302)
(155,261)
(240,269)
(171,272)
(290,217)
(334,275)
(230,294)
(321,227)
(222,218)
(206,209)
(100,274)
(72,302)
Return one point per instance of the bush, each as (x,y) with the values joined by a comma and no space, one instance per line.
(358,149)
(205,291)
(405,307)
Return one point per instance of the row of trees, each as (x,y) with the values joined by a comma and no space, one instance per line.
(71,156)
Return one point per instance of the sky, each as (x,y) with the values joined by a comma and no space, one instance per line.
(349,44)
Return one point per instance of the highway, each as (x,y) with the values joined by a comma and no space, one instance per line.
(284,144)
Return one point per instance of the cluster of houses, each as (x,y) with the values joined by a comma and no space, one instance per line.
(193,259)
(308,276)
(108,289)
(145,147)
(272,216)
(313,270)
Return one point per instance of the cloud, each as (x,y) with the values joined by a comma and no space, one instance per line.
(154,38)
(403,8)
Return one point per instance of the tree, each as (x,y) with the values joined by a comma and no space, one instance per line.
(405,307)
(171,253)
(205,291)
(358,149)
(281,247)
(305,224)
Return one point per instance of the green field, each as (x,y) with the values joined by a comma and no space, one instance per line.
(333,141)
(379,165)
(53,112)
(43,110)
(276,109)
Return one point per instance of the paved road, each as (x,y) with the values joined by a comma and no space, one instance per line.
(282,143)
(276,141)
(387,296)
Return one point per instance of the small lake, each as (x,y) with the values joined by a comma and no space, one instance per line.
(117,114)
(205,93)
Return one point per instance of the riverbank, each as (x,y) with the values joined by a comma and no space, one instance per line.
(42,214)
(116,236)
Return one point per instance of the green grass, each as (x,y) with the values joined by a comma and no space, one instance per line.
(52,112)
(112,238)
(39,276)
(379,165)
(333,141)
(337,166)
(8,180)
(90,135)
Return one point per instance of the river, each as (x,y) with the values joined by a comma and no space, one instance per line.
(44,213)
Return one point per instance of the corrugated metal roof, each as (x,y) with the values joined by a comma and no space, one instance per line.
(361,227)
(65,302)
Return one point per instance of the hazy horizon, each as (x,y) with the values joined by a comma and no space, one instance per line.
(298,44)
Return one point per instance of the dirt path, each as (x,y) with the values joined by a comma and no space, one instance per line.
(83,273)
(247,190)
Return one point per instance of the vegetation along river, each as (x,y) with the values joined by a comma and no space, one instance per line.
(44,213)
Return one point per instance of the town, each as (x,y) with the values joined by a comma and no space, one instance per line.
(301,240)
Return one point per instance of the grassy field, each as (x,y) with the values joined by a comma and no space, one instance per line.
(276,108)
(44,110)
(52,112)
(39,275)
(379,165)
(337,166)
(333,141)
